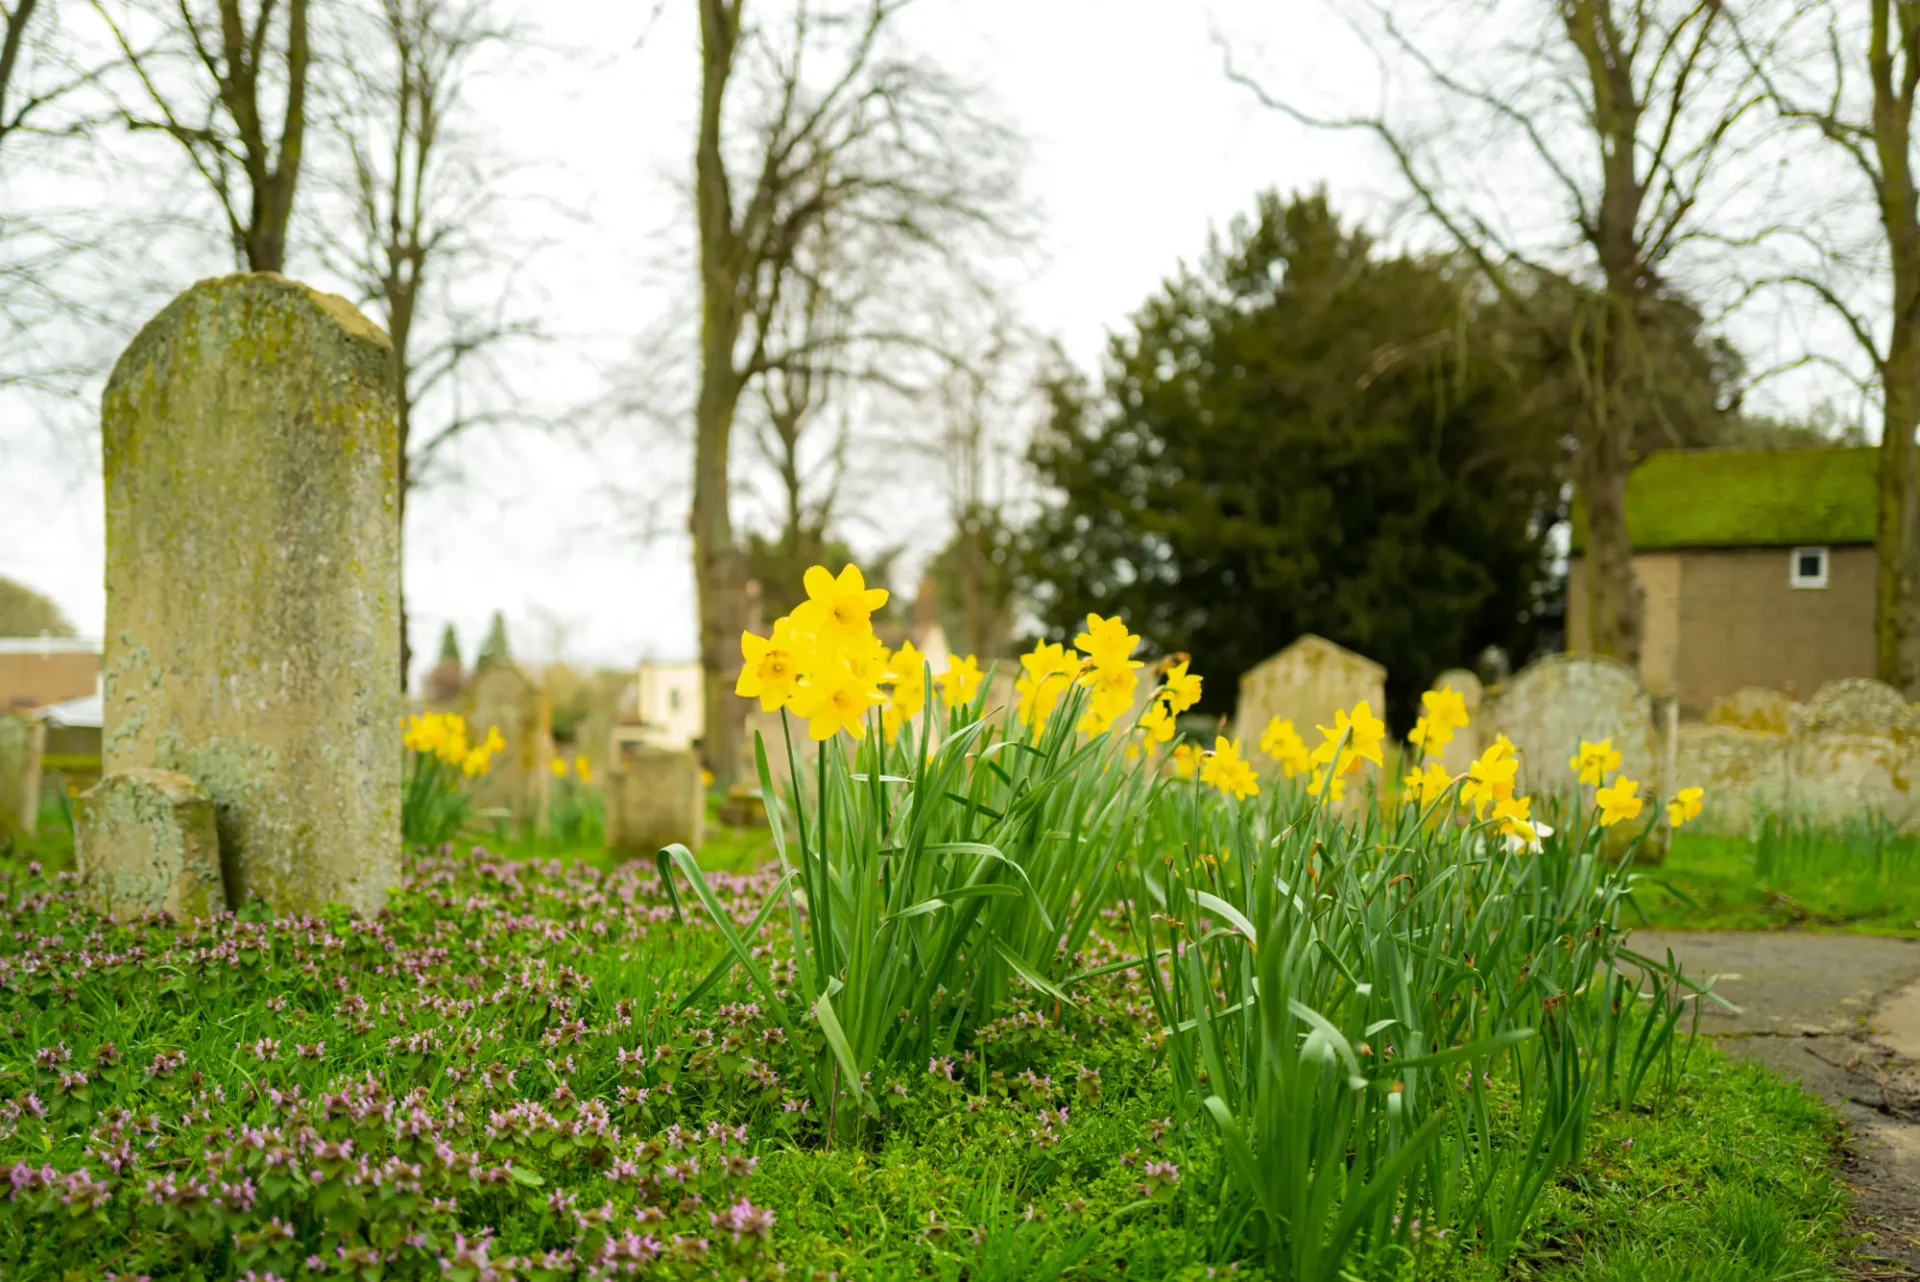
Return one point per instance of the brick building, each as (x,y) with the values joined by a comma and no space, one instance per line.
(1757,568)
(37,671)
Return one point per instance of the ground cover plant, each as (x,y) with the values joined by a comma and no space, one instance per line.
(1047,994)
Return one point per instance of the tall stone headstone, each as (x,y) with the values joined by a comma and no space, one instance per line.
(22,743)
(146,841)
(253,581)
(1551,706)
(654,798)
(503,697)
(1307,683)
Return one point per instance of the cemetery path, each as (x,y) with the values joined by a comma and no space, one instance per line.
(1840,1014)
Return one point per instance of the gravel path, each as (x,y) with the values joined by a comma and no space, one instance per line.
(1840,1013)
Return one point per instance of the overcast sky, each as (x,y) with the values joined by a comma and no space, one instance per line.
(1140,148)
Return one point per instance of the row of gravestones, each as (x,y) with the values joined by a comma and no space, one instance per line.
(251,658)
(1849,753)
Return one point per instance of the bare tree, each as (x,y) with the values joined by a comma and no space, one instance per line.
(206,79)
(420,185)
(1853,84)
(816,127)
(1617,114)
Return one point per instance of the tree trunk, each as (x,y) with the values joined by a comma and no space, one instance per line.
(720,576)
(1613,594)
(1897,529)
(400,317)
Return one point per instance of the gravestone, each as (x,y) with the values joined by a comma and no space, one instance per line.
(503,697)
(1752,708)
(654,797)
(1853,750)
(1307,683)
(1466,744)
(22,743)
(146,841)
(1552,705)
(253,582)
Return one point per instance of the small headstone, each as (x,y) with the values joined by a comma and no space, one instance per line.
(1549,707)
(146,842)
(22,743)
(253,581)
(503,697)
(654,798)
(1857,705)
(1307,683)
(1752,708)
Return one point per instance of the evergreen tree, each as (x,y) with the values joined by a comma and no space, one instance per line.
(493,647)
(450,645)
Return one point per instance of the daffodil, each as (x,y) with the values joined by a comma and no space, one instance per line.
(1353,738)
(1111,688)
(1186,760)
(1595,761)
(1045,672)
(772,669)
(559,767)
(1618,802)
(1226,770)
(1490,777)
(833,698)
(1426,784)
(1107,642)
(909,694)
(1512,814)
(583,768)
(1156,724)
(1284,744)
(1443,712)
(1685,805)
(960,682)
(1180,689)
(838,610)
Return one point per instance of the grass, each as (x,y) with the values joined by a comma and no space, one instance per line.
(495,1010)
(1860,879)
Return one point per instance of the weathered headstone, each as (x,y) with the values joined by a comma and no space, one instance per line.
(503,697)
(1742,772)
(1752,708)
(1466,743)
(253,581)
(1857,705)
(1307,683)
(146,842)
(654,797)
(1853,750)
(1551,706)
(22,743)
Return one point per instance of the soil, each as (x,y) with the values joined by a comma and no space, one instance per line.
(1840,1014)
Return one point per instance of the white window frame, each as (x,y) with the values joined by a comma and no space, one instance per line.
(1799,580)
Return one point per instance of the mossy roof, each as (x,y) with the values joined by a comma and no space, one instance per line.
(1747,498)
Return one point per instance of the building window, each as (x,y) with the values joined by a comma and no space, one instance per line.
(1809,568)
(673,696)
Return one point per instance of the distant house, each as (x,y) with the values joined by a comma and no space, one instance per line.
(1757,569)
(37,671)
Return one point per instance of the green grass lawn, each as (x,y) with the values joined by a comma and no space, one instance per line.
(1861,880)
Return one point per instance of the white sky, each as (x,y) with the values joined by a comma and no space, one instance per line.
(1140,148)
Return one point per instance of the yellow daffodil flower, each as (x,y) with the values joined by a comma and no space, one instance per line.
(832,699)
(1594,761)
(1107,642)
(1444,711)
(1045,672)
(1490,777)
(1284,744)
(1427,783)
(1618,802)
(1179,688)
(1226,770)
(838,610)
(772,667)
(584,769)
(1685,805)
(960,682)
(1186,760)
(559,767)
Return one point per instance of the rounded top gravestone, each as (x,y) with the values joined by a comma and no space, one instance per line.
(251,457)
(1554,704)
(1856,705)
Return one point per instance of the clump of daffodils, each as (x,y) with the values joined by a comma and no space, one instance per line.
(443,737)
(1353,739)
(824,663)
